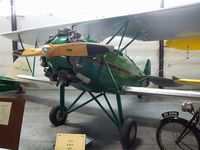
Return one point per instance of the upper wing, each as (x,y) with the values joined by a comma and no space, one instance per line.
(179,22)
(163,92)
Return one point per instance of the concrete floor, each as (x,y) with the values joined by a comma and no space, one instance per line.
(38,134)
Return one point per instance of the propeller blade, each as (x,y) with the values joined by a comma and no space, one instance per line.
(32,52)
(79,49)
(18,52)
(67,49)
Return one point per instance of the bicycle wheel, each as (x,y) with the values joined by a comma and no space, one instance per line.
(170,130)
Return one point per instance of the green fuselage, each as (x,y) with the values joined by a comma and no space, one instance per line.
(96,74)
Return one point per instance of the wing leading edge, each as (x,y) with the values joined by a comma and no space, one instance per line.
(177,22)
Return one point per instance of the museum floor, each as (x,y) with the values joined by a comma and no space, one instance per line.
(38,134)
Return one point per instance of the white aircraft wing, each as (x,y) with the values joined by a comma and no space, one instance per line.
(162,92)
(177,22)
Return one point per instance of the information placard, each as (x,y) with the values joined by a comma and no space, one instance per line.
(5,108)
(11,116)
(70,141)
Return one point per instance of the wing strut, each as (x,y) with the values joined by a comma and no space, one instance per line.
(32,70)
(118,97)
(130,42)
(124,26)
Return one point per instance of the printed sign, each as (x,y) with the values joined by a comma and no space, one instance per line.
(70,142)
(5,108)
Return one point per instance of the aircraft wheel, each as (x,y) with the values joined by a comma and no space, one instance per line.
(128,133)
(55,118)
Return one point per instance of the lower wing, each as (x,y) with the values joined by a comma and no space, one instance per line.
(161,92)
(13,84)
(134,90)
(37,79)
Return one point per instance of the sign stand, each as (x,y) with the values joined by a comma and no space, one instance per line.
(72,141)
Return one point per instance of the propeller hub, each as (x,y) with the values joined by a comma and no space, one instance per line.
(46,49)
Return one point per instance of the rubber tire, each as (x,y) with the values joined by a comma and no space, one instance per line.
(54,114)
(176,120)
(125,131)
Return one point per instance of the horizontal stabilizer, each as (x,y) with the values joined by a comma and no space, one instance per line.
(161,92)
(164,81)
(37,79)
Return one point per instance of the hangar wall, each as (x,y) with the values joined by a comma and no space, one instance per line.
(175,64)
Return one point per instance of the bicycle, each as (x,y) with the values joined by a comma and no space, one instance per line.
(176,133)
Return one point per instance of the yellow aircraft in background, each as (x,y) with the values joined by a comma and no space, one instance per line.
(186,44)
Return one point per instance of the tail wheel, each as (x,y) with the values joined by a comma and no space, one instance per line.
(55,116)
(128,133)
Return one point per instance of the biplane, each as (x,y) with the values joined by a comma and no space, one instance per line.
(74,55)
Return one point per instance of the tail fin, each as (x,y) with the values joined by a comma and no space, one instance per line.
(20,66)
(147,68)
(147,72)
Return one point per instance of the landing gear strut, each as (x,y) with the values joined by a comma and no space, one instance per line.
(58,114)
(127,127)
